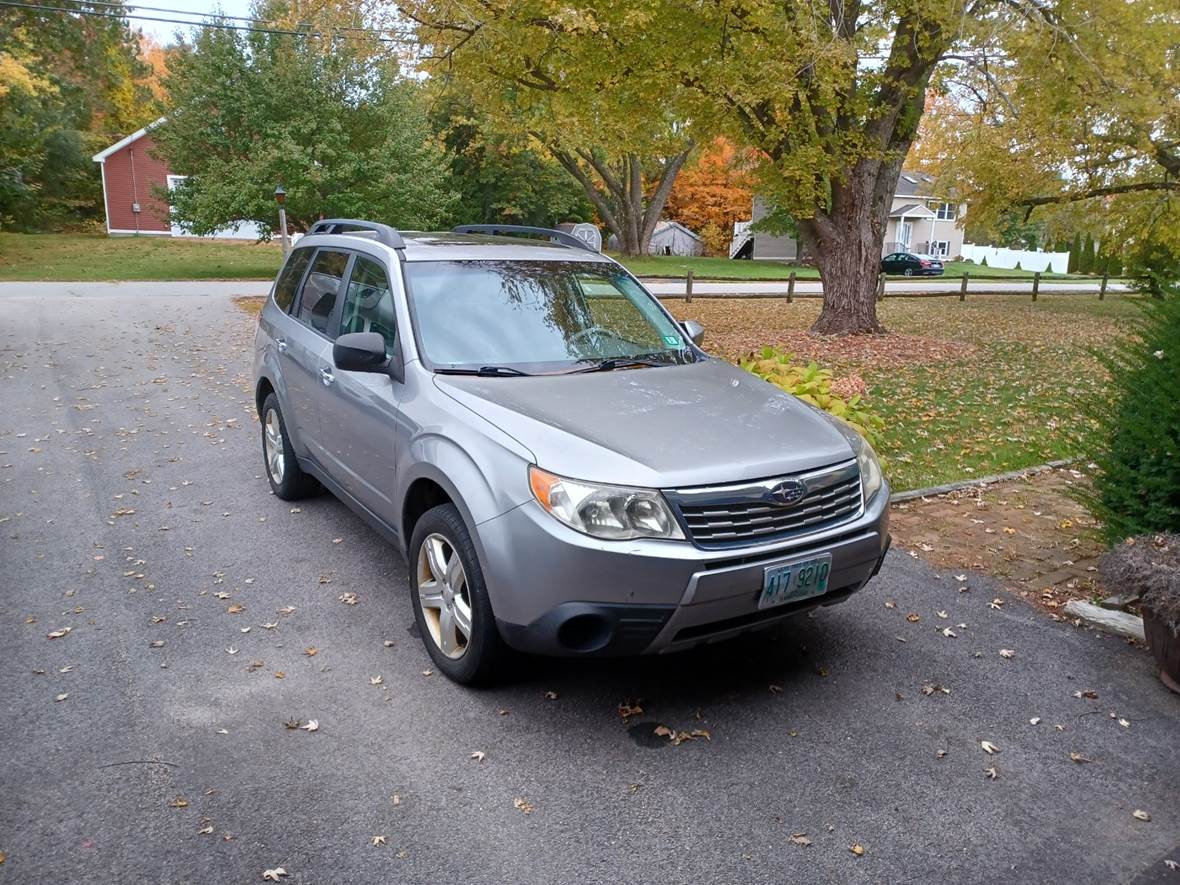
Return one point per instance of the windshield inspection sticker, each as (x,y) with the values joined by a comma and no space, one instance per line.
(672,340)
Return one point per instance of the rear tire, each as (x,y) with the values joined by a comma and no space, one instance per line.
(909,271)
(450,599)
(286,477)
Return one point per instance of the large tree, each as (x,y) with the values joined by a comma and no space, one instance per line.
(327,115)
(1077,133)
(622,150)
(829,93)
(71,83)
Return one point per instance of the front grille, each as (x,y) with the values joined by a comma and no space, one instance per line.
(741,514)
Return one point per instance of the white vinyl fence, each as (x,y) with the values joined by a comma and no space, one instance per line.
(1045,262)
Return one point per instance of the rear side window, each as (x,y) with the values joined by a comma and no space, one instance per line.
(290,276)
(321,289)
(368,302)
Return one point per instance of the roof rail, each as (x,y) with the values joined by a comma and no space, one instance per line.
(558,236)
(383,232)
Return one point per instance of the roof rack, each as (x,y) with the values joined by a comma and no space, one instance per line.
(558,236)
(383,233)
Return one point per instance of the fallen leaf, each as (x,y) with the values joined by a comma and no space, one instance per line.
(800,839)
(551,695)
(1036,720)
(375,680)
(889,603)
(948,632)
(58,634)
(478,755)
(991,772)
(942,615)
(1088,693)
(523,805)
(235,609)
(62,696)
(269,626)
(286,610)
(628,708)
(178,802)
(205,830)
(1080,758)
(1170,864)
(397,799)
(913,617)
(1124,723)
(1007,652)
(311,651)
(857,849)
(312,725)
(989,747)
(377,840)
(1139,814)
(347,598)
(156,643)
(776,689)
(274,875)
(960,578)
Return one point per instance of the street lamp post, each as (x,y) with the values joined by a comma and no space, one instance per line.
(280,198)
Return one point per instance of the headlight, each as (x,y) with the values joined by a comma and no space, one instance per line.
(616,513)
(870,468)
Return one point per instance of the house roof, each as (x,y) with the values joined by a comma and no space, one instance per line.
(102,155)
(913,210)
(662,226)
(913,184)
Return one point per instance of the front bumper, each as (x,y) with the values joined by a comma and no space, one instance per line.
(556,591)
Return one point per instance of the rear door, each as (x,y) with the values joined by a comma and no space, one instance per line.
(360,409)
(309,347)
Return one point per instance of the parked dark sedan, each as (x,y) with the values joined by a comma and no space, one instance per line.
(911,265)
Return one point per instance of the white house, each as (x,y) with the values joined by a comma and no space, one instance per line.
(918,221)
(669,238)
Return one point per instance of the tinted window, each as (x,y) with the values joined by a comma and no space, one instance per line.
(322,289)
(537,315)
(368,302)
(290,276)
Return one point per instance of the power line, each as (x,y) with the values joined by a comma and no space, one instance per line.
(175,21)
(220,15)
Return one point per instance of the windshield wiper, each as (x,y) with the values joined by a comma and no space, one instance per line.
(618,363)
(485,372)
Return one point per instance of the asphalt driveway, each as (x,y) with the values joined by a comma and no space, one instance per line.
(150,742)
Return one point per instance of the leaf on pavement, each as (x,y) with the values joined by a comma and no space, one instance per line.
(991,773)
(524,806)
(235,608)
(1007,652)
(800,839)
(377,840)
(312,725)
(347,598)
(178,802)
(275,875)
(989,748)
(1080,758)
(913,617)
(58,634)
(311,651)
(1089,693)
(286,610)
(478,755)
(1140,814)
(376,680)
(630,708)
(62,696)
(857,849)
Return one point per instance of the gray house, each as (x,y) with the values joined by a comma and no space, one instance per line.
(918,222)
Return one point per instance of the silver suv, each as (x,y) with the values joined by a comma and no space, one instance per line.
(566,471)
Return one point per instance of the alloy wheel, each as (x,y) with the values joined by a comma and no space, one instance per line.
(444,596)
(272,437)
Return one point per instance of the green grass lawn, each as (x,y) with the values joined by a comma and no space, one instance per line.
(967,389)
(99,257)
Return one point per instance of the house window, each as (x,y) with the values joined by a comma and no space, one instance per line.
(940,247)
(946,212)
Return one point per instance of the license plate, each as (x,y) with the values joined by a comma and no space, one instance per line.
(793,581)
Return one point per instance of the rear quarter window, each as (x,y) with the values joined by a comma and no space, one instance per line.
(289,277)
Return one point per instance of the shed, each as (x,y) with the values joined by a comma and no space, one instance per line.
(133,176)
(673,238)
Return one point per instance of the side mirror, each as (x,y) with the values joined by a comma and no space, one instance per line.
(360,352)
(694,330)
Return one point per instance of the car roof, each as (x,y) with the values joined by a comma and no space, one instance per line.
(450,246)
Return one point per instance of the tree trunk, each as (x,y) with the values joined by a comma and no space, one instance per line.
(846,241)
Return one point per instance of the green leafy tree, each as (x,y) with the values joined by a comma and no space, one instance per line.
(1086,260)
(501,178)
(331,119)
(1075,253)
(70,84)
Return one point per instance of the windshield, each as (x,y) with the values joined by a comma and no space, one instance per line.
(537,316)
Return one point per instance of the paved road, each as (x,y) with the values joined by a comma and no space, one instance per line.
(132,495)
(663,288)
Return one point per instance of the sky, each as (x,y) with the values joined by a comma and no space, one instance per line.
(163,32)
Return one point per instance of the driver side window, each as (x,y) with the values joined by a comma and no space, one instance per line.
(368,302)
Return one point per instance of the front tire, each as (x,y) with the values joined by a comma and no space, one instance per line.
(450,599)
(909,271)
(286,477)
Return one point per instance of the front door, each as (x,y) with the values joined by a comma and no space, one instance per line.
(360,409)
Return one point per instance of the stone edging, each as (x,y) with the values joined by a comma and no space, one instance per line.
(933,491)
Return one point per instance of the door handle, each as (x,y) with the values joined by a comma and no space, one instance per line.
(281,344)
(326,376)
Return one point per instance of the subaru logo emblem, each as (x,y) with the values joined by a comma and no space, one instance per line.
(789,492)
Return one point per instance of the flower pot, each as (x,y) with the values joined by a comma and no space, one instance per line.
(1165,646)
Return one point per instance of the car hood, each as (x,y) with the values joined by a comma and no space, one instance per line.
(704,423)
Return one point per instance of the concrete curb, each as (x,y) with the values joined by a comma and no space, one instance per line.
(982,481)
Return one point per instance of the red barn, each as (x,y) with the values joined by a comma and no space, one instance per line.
(131,179)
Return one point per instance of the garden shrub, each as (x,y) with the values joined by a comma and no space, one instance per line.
(814,385)
(1135,437)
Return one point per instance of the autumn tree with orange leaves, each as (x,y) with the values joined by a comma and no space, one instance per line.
(711,193)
